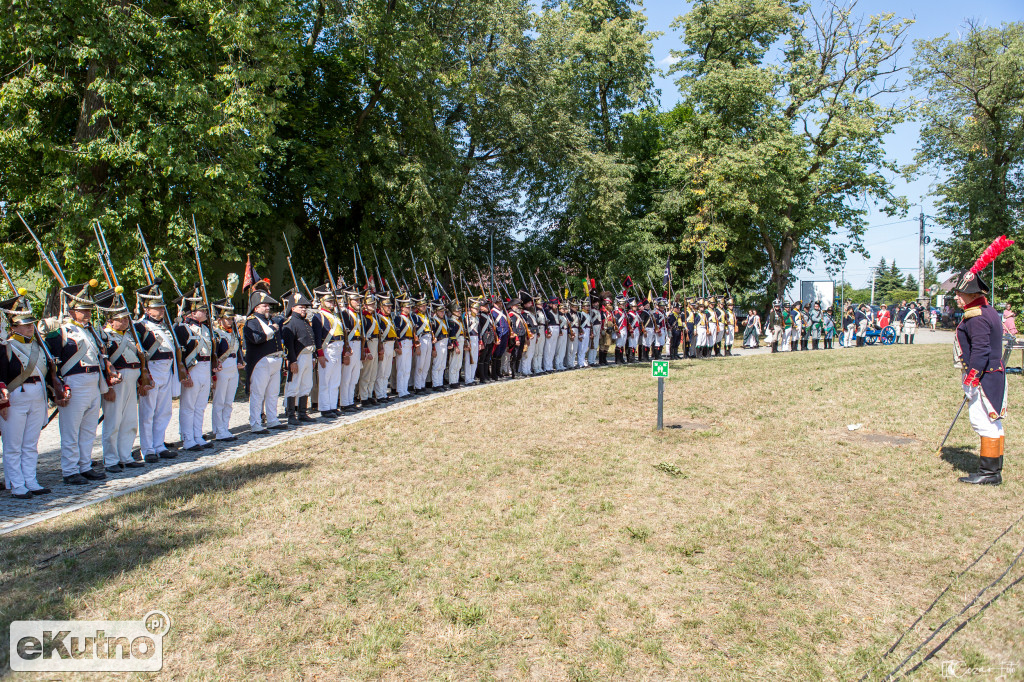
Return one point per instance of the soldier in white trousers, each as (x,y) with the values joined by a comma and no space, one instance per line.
(539,340)
(456,341)
(573,334)
(385,347)
(530,314)
(424,345)
(440,354)
(77,347)
(471,356)
(371,353)
(298,341)
(404,347)
(22,399)
(329,343)
(583,347)
(263,355)
(229,362)
(594,314)
(351,320)
(121,415)
(551,336)
(161,352)
(196,343)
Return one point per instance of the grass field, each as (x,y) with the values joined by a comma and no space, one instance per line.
(543,530)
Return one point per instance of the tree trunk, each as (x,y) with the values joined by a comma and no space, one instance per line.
(89,129)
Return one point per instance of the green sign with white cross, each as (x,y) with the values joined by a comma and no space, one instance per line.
(659,368)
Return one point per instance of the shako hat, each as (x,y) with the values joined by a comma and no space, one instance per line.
(969,281)
(79,296)
(257,297)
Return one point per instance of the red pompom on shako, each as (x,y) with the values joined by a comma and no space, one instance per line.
(969,282)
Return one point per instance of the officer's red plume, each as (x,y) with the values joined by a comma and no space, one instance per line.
(1000,244)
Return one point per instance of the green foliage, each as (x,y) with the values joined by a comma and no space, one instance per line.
(789,112)
(973,133)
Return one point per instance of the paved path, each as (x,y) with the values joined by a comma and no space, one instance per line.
(16,514)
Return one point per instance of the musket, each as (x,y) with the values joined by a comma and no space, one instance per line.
(306,287)
(366,278)
(288,248)
(202,287)
(173,281)
(145,377)
(392,268)
(334,291)
(525,285)
(147,262)
(57,385)
(415,275)
(440,287)
(57,274)
(376,266)
(99,256)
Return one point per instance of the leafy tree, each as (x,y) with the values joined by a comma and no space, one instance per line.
(790,108)
(973,133)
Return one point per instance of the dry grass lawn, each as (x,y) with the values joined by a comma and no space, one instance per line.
(543,530)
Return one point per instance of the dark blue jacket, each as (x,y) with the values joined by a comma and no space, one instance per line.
(979,345)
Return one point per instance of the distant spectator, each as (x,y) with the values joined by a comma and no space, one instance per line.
(1009,321)
(883,318)
(934,318)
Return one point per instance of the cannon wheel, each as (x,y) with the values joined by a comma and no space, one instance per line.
(871,339)
(888,335)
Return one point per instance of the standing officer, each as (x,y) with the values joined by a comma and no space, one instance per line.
(229,361)
(439,356)
(263,353)
(519,335)
(121,415)
(23,368)
(297,337)
(161,358)
(502,333)
(978,350)
(196,343)
(77,348)
(487,339)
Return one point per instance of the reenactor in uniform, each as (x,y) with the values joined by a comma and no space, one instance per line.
(805,327)
(196,343)
(298,341)
(329,343)
(121,415)
(646,330)
(229,362)
(385,348)
(729,317)
(633,316)
(592,322)
(910,323)
(163,362)
(862,318)
(608,330)
(700,329)
(660,327)
(263,354)
(351,318)
(471,357)
(787,329)
(978,351)
(776,326)
(816,324)
(572,319)
(501,333)
(526,365)
(675,324)
(519,336)
(371,351)
(585,326)
(23,370)
(405,331)
(439,363)
(538,337)
(691,329)
(552,328)
(621,319)
(488,336)
(456,342)
(713,314)
(423,344)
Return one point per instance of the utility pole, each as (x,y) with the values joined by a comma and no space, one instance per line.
(874,271)
(703,289)
(842,294)
(920,265)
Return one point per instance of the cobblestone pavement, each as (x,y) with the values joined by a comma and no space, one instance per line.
(16,514)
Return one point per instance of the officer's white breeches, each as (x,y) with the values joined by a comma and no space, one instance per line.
(78,421)
(121,420)
(300,383)
(264,389)
(155,408)
(329,379)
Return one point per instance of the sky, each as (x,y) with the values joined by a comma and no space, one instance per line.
(884,237)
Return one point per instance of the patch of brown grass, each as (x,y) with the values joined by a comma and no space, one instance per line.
(543,530)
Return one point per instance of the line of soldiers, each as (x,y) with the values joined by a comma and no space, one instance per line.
(799,326)
(109,371)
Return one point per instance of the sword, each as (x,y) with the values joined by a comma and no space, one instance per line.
(938,453)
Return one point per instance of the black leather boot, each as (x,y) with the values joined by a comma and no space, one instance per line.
(293,418)
(775,346)
(302,410)
(990,464)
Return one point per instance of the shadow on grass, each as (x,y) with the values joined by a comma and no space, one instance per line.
(46,570)
(963,459)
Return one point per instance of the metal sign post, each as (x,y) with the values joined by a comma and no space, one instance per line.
(659,370)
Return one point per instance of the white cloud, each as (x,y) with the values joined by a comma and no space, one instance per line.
(670,60)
